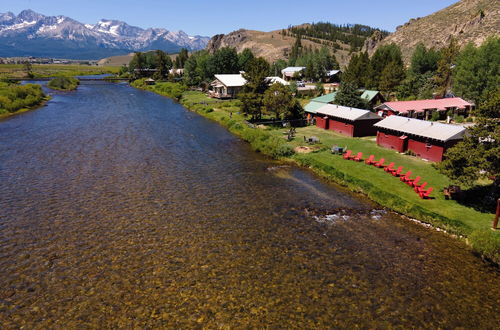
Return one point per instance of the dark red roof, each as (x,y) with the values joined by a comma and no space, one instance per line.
(421,105)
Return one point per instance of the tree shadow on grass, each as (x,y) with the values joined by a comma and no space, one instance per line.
(481,198)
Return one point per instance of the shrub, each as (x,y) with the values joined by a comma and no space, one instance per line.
(435,116)
(64,83)
(16,97)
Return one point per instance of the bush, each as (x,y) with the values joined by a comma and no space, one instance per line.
(17,97)
(459,119)
(64,83)
(435,116)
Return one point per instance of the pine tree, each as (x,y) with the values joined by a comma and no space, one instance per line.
(391,77)
(444,69)
(349,96)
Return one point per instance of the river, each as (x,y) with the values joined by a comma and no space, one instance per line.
(120,208)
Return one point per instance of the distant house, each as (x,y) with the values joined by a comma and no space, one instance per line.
(373,98)
(423,109)
(319,102)
(177,72)
(426,139)
(226,86)
(347,121)
(291,72)
(333,76)
(273,80)
(149,81)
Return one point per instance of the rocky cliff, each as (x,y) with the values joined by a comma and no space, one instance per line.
(466,21)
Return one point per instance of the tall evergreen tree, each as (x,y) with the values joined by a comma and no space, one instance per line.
(445,66)
(381,58)
(477,70)
(349,96)
(391,77)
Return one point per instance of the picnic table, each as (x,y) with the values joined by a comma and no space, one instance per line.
(311,139)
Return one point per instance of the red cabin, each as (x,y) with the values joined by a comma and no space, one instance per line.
(423,109)
(347,121)
(426,139)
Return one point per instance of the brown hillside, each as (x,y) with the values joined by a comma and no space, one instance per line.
(467,21)
(270,45)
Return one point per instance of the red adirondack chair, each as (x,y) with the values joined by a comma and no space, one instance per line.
(419,187)
(380,163)
(359,157)
(390,167)
(370,160)
(348,154)
(405,177)
(396,172)
(413,182)
(424,194)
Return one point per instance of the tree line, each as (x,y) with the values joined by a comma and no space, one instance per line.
(354,35)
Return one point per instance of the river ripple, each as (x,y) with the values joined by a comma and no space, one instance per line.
(119,208)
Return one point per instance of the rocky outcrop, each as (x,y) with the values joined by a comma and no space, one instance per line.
(466,21)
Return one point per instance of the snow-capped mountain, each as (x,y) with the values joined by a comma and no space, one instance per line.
(33,34)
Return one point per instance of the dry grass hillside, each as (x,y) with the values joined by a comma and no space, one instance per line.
(270,45)
(467,21)
(121,60)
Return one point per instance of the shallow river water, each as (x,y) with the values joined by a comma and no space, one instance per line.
(119,208)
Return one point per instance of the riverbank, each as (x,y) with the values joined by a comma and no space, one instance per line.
(374,183)
(15,99)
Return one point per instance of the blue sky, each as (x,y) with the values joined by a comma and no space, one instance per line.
(205,17)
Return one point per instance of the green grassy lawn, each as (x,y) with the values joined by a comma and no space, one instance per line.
(450,209)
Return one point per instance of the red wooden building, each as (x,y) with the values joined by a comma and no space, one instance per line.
(426,139)
(348,121)
(423,109)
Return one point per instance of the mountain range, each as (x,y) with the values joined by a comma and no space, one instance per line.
(34,34)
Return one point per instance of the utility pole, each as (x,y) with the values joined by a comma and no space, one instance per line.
(495,222)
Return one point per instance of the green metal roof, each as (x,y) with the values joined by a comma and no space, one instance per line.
(325,98)
(313,106)
(369,95)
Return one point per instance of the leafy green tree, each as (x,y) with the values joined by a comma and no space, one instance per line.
(445,66)
(163,64)
(424,60)
(349,96)
(251,104)
(278,100)
(181,58)
(256,73)
(276,67)
(28,68)
(224,61)
(244,59)
(197,69)
(477,156)
(391,77)
(477,70)
(137,64)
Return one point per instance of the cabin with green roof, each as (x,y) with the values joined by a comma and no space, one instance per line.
(373,98)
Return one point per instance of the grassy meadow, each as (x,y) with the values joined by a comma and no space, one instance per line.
(53,70)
